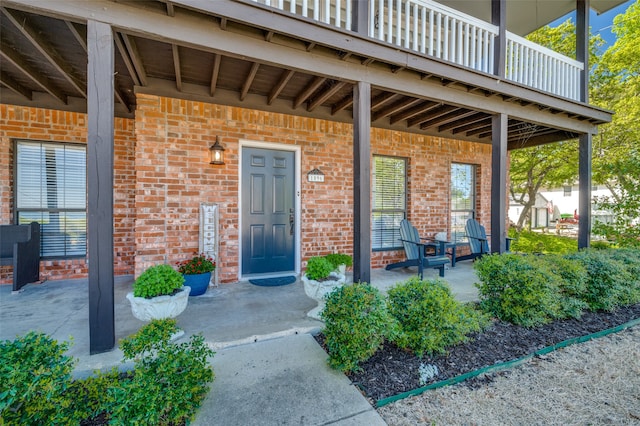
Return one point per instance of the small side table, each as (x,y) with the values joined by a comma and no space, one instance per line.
(440,249)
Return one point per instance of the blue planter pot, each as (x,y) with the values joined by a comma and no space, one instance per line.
(198,283)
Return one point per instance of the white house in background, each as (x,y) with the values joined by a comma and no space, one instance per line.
(540,213)
(565,201)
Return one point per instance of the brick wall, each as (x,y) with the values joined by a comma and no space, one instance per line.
(48,125)
(173,177)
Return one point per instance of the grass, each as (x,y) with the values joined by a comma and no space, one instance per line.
(535,242)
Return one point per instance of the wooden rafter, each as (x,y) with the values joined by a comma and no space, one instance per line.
(382,99)
(412,112)
(395,108)
(214,73)
(14,86)
(447,118)
(284,79)
(45,49)
(438,112)
(478,116)
(176,66)
(80,38)
(308,91)
(14,58)
(249,80)
(343,103)
(471,126)
(117,37)
(336,85)
(170,9)
(479,130)
(134,55)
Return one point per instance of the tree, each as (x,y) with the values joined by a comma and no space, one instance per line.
(552,164)
(616,164)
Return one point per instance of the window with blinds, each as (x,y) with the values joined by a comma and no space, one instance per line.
(51,189)
(463,199)
(389,201)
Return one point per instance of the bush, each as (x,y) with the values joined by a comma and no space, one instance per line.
(35,375)
(429,318)
(516,289)
(169,381)
(156,281)
(571,285)
(318,268)
(337,259)
(536,242)
(356,324)
(608,282)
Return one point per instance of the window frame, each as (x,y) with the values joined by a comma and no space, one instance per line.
(17,210)
(374,211)
(457,237)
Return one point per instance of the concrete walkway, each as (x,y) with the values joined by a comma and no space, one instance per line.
(269,369)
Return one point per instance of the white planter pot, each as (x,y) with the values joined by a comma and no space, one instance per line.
(318,290)
(159,307)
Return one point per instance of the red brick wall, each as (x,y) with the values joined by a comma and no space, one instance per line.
(58,126)
(173,177)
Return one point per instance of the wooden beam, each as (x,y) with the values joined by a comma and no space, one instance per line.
(308,91)
(337,85)
(452,116)
(121,98)
(477,116)
(249,80)
(584,185)
(382,99)
(100,159)
(479,130)
(134,55)
(439,112)
(170,9)
(362,182)
(499,124)
(268,36)
(17,61)
(176,66)
(45,49)
(412,112)
(345,102)
(214,73)
(395,108)
(80,38)
(499,19)
(14,86)
(124,54)
(310,46)
(471,126)
(284,79)
(582,45)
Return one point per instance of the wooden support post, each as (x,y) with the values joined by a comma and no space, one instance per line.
(582,45)
(499,18)
(362,182)
(584,186)
(100,119)
(499,124)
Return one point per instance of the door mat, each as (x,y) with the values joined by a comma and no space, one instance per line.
(273,282)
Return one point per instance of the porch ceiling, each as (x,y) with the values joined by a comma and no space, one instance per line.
(44,63)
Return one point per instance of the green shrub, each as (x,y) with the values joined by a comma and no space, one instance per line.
(536,242)
(600,245)
(169,380)
(156,281)
(35,375)
(337,259)
(318,268)
(356,324)
(571,286)
(610,281)
(516,289)
(429,318)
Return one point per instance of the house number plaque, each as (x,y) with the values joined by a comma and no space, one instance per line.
(315,175)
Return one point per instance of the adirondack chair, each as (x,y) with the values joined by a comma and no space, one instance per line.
(478,241)
(415,250)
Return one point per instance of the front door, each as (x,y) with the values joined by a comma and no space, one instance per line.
(268,227)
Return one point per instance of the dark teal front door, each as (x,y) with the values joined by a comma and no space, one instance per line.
(268,227)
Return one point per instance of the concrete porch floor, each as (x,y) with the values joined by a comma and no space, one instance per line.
(229,315)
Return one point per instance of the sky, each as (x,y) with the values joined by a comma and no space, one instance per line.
(600,24)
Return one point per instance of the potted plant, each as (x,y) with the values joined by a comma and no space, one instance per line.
(158,293)
(319,280)
(340,261)
(197,273)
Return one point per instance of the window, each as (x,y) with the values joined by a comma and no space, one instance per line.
(463,198)
(567,191)
(389,201)
(51,189)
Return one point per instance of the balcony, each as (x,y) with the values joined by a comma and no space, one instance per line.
(437,31)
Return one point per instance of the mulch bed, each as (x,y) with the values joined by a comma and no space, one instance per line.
(392,370)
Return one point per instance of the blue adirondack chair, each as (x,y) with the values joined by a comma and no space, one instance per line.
(478,241)
(414,250)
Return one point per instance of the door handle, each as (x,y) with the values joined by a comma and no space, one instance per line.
(292,221)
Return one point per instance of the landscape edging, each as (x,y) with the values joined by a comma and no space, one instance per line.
(508,364)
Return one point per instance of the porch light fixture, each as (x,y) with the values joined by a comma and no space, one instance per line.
(217,153)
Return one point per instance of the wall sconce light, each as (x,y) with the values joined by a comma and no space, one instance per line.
(217,153)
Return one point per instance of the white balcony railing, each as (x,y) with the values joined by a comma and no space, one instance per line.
(445,33)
